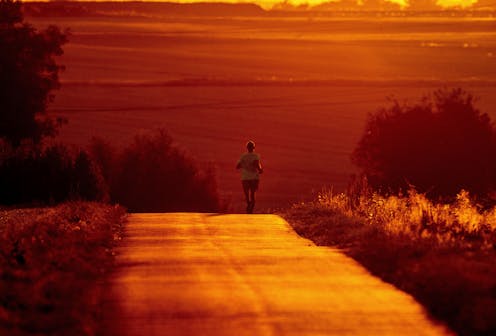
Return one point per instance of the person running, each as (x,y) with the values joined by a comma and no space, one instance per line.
(251,168)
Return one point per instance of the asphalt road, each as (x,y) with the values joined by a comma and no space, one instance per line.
(200,274)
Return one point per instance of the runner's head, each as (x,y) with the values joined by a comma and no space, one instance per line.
(250,145)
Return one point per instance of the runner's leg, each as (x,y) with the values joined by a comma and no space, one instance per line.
(252,200)
(246,190)
(253,189)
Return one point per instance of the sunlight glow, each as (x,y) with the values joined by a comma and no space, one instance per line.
(402,3)
(269,4)
(456,3)
(304,4)
(311,3)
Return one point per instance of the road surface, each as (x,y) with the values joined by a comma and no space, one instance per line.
(200,274)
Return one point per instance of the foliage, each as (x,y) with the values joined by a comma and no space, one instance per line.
(442,254)
(461,224)
(151,174)
(50,175)
(439,145)
(28,75)
(50,261)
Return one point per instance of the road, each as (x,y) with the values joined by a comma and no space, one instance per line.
(200,274)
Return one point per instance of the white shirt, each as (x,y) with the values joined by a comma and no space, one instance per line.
(249,170)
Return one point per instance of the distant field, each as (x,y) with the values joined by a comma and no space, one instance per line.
(300,88)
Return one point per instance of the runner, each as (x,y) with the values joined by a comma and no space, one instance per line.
(251,168)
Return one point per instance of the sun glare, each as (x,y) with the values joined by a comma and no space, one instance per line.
(270,4)
(456,3)
(311,3)
(402,3)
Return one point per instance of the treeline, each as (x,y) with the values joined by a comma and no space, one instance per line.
(150,174)
(348,8)
(137,8)
(48,175)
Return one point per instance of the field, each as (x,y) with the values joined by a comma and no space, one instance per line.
(300,86)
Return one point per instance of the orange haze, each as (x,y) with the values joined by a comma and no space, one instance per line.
(268,4)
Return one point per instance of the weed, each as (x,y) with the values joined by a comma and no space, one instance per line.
(50,261)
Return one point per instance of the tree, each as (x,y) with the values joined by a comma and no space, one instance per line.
(28,76)
(50,175)
(153,175)
(439,145)
(88,183)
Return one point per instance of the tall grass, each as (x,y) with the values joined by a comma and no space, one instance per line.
(442,254)
(463,223)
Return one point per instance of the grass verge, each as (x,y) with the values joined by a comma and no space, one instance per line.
(51,260)
(441,254)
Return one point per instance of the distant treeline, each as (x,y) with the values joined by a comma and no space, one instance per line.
(131,8)
(329,9)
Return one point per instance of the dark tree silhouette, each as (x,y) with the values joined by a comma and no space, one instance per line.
(153,175)
(28,75)
(439,145)
(51,175)
(103,154)
(87,181)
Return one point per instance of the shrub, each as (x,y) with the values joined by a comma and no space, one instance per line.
(51,260)
(152,175)
(103,155)
(439,145)
(88,183)
(462,224)
(50,175)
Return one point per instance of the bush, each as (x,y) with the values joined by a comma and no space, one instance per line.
(440,145)
(152,175)
(51,260)
(47,176)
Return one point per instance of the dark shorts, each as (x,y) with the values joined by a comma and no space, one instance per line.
(250,185)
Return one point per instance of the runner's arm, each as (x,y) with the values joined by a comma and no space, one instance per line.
(258,166)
